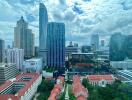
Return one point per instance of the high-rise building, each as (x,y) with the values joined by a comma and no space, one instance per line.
(56,45)
(95,41)
(128,46)
(43,22)
(2,47)
(7,71)
(24,38)
(15,56)
(86,49)
(116,48)
(102,43)
(71,49)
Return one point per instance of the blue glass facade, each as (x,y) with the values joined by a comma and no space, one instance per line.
(43,21)
(56,44)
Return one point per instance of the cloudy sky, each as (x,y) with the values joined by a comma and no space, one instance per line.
(81,17)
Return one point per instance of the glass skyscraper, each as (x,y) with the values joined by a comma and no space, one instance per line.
(43,21)
(56,45)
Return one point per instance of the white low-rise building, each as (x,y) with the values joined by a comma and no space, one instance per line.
(33,65)
(101,80)
(127,64)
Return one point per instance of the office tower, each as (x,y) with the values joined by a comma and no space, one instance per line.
(102,43)
(86,49)
(2,47)
(116,49)
(95,41)
(56,45)
(71,49)
(43,21)
(23,38)
(15,56)
(128,46)
(7,71)
(36,51)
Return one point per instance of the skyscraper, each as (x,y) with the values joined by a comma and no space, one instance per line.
(116,49)
(2,47)
(95,41)
(43,21)
(128,46)
(23,38)
(56,45)
(15,56)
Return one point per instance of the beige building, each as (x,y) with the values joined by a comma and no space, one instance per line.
(7,71)
(101,80)
(24,38)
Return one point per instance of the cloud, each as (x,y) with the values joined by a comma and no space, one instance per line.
(82,17)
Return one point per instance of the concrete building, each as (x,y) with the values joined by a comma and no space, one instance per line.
(2,47)
(24,38)
(22,87)
(86,49)
(71,49)
(43,22)
(95,41)
(56,45)
(101,80)
(33,65)
(126,64)
(15,56)
(7,71)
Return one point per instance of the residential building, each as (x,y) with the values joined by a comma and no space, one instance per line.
(95,41)
(7,71)
(22,87)
(2,47)
(101,80)
(24,38)
(43,22)
(33,65)
(15,56)
(56,45)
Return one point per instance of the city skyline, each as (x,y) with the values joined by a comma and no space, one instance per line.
(87,17)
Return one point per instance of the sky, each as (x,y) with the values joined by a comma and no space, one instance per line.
(81,17)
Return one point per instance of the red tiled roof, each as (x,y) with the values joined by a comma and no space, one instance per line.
(8,97)
(57,89)
(84,65)
(28,84)
(78,89)
(100,77)
(5,85)
(81,98)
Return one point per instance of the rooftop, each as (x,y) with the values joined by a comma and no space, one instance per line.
(100,77)
(34,59)
(20,79)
